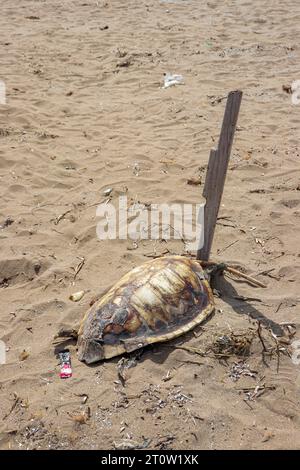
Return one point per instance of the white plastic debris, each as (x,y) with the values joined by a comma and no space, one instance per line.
(136,168)
(171,80)
(296,92)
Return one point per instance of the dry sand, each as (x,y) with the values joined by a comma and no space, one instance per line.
(84,108)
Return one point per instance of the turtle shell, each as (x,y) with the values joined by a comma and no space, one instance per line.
(157,301)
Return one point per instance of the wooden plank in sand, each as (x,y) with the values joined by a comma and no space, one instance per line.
(216,172)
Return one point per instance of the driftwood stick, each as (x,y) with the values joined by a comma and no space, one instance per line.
(248,278)
(216,171)
(234,271)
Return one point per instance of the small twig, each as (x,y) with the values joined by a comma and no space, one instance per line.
(60,217)
(248,404)
(202,353)
(256,388)
(278,307)
(227,219)
(79,267)
(225,225)
(228,246)
(16,401)
(260,337)
(216,99)
(278,356)
(192,362)
(191,350)
(267,273)
(154,255)
(247,299)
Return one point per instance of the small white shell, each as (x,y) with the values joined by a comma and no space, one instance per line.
(77,296)
(107,191)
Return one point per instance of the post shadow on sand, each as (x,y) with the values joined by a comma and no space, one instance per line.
(229,295)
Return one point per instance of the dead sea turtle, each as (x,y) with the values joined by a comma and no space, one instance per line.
(157,301)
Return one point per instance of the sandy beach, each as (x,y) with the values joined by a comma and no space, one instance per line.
(86,111)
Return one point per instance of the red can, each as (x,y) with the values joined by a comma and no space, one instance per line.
(65,365)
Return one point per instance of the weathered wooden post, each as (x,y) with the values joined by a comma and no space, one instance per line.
(216,172)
